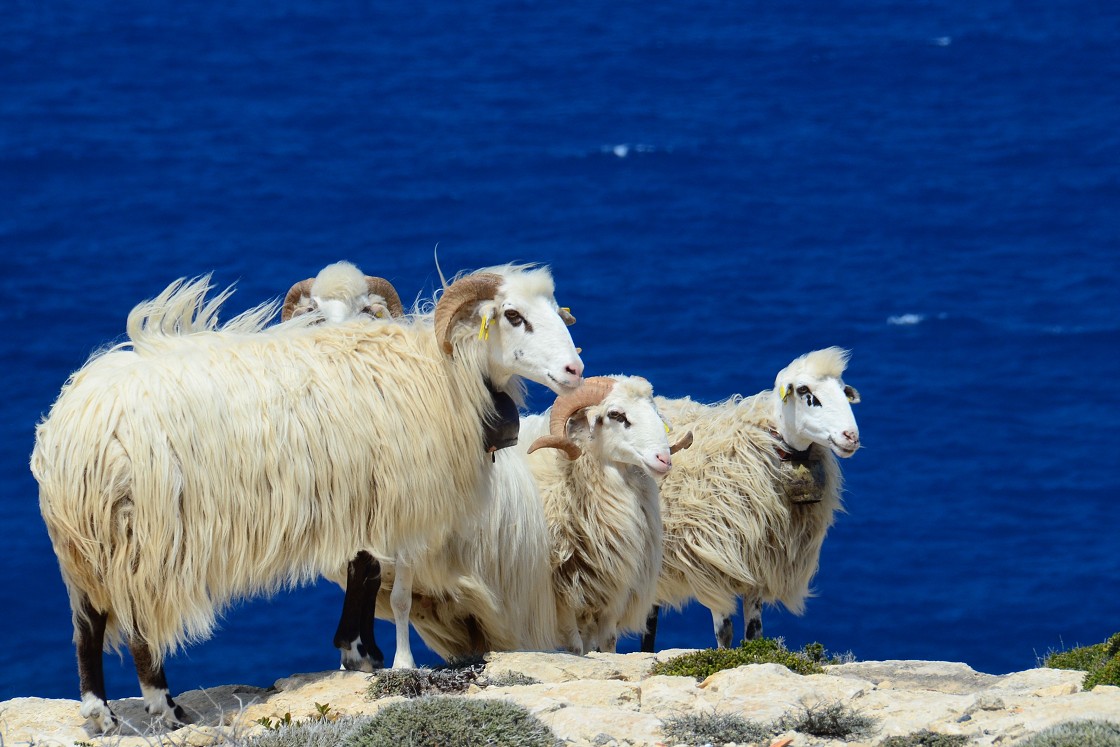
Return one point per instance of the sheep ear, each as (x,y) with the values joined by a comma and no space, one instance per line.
(785,391)
(851,393)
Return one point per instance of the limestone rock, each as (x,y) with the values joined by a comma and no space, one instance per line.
(604,700)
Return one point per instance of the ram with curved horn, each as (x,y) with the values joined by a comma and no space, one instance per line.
(340,292)
(597,470)
(198,463)
(746,510)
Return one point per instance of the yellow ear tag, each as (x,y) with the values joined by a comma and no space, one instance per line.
(484,329)
(666,427)
(784,392)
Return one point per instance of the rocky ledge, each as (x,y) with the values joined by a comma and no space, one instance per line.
(611,699)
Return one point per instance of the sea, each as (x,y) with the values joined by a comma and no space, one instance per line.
(718,187)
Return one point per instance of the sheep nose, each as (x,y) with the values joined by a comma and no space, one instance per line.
(575,369)
(666,460)
(852,436)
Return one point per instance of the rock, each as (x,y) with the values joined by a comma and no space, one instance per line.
(608,700)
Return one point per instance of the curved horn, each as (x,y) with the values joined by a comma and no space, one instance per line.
(683,443)
(593,391)
(295,295)
(566,315)
(458,299)
(382,287)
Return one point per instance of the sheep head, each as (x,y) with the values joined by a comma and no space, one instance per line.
(518,322)
(814,405)
(341,292)
(620,415)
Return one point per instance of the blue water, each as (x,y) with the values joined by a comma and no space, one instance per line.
(718,187)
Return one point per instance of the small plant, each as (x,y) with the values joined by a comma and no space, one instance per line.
(704,663)
(1093,733)
(714,728)
(268,723)
(508,679)
(412,683)
(829,720)
(316,733)
(926,738)
(1106,674)
(452,722)
(1100,662)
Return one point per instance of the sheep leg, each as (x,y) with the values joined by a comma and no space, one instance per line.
(721,622)
(570,637)
(153,685)
(649,638)
(354,636)
(752,615)
(89,639)
(369,612)
(401,601)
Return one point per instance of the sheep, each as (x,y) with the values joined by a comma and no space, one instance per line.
(489,587)
(602,508)
(747,508)
(340,291)
(503,598)
(195,465)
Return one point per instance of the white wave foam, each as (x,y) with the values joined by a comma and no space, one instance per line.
(906,320)
(622,150)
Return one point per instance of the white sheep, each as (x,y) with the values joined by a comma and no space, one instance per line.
(602,508)
(746,509)
(196,465)
(340,292)
(453,573)
(503,595)
(489,587)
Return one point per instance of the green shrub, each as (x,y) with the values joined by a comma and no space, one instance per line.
(714,728)
(1084,658)
(830,721)
(1106,674)
(1100,662)
(702,664)
(441,721)
(926,738)
(1093,733)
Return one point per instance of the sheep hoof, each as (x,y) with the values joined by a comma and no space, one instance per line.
(354,661)
(97,710)
(168,711)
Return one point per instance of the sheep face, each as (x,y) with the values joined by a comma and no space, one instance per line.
(528,336)
(626,428)
(818,410)
(340,310)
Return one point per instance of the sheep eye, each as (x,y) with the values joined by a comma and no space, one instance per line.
(810,398)
(514,318)
(619,417)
